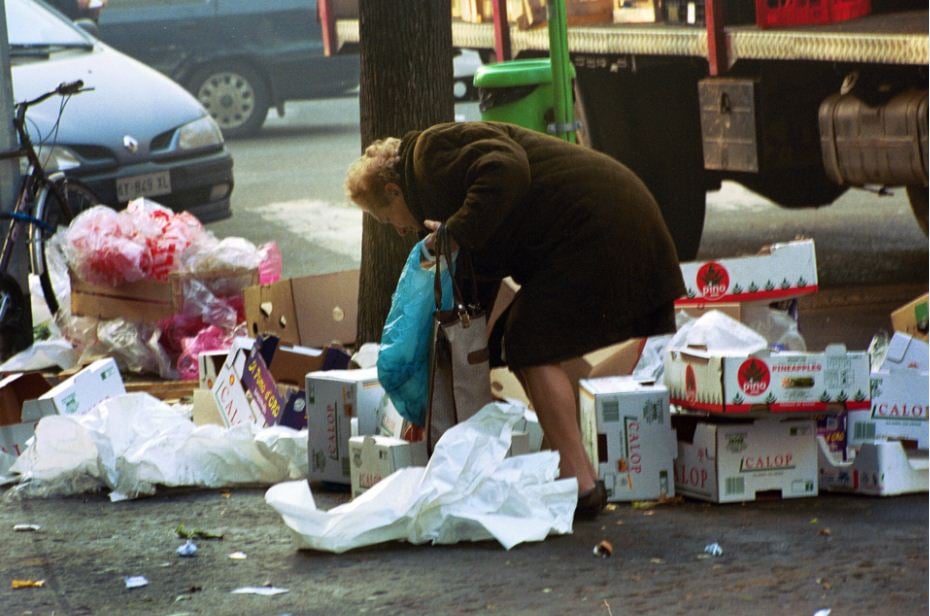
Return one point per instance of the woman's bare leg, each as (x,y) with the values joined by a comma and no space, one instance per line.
(550,391)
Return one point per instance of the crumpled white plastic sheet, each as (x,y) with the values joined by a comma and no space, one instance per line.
(469,491)
(718,332)
(134,442)
(43,354)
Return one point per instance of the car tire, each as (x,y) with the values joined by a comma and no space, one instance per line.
(235,96)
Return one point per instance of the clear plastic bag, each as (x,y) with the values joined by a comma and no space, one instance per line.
(102,248)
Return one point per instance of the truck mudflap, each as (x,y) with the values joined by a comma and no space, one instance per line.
(885,143)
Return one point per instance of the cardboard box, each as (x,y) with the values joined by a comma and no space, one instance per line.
(911,318)
(375,457)
(335,399)
(19,414)
(898,409)
(260,379)
(879,468)
(728,461)
(905,352)
(80,393)
(312,311)
(205,410)
(150,300)
(781,382)
(696,311)
(615,360)
(789,270)
(832,429)
(628,436)
(209,363)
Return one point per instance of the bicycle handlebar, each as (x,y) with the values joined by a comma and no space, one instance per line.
(66,88)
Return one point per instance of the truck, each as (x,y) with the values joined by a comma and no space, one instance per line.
(794,104)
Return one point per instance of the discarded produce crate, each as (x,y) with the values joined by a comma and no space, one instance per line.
(151,300)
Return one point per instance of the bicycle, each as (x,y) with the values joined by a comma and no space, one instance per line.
(44,201)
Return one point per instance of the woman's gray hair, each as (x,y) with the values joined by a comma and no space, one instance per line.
(367,176)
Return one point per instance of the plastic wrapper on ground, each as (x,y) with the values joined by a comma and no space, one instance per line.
(132,443)
(469,491)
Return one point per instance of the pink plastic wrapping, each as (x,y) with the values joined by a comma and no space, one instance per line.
(149,241)
(269,270)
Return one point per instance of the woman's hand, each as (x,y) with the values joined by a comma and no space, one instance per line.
(433,227)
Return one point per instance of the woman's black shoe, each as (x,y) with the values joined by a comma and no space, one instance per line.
(592,502)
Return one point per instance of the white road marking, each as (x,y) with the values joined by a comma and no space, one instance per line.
(335,227)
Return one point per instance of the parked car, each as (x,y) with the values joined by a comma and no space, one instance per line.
(136,133)
(241,57)
(238,57)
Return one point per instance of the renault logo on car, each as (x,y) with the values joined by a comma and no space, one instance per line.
(130,143)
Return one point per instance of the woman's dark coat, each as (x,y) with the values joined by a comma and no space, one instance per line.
(576,229)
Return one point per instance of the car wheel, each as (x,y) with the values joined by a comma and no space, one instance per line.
(236,97)
(464,90)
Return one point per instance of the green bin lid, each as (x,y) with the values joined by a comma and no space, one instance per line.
(514,73)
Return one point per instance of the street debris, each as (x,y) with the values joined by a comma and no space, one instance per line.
(469,491)
(607,607)
(824,583)
(187,550)
(657,561)
(237,556)
(266,591)
(661,501)
(823,612)
(26,528)
(604,549)
(135,581)
(133,442)
(196,533)
(824,532)
(19,584)
(713,549)
(610,507)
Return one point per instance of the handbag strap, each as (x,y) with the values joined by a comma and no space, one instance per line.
(443,250)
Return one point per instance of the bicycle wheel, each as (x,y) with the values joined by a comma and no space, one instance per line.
(52,215)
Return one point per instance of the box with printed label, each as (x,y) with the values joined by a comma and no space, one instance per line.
(788,270)
(245,391)
(726,461)
(336,398)
(879,468)
(778,382)
(375,457)
(898,410)
(628,436)
(911,318)
(904,353)
(80,393)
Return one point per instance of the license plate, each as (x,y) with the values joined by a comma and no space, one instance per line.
(148,185)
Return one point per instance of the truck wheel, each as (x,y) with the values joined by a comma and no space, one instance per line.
(236,97)
(918,197)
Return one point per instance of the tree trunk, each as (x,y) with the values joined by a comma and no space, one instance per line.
(406,84)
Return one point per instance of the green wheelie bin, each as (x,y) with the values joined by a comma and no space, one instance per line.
(518,92)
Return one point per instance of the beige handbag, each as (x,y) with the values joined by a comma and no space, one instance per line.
(459,369)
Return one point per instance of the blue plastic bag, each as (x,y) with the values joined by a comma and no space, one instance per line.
(403,361)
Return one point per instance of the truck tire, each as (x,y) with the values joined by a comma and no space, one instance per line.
(235,95)
(917,195)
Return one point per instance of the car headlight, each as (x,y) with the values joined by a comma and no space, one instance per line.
(57,158)
(199,134)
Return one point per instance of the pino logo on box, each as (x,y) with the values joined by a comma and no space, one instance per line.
(753,376)
(690,385)
(713,280)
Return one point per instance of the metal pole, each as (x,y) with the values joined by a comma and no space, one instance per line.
(9,169)
(561,77)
